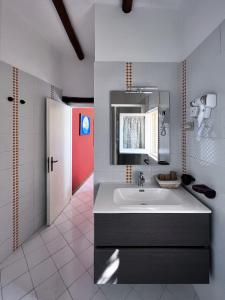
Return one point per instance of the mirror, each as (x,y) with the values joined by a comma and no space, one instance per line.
(140,127)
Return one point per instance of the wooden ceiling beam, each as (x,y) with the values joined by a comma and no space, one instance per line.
(127,6)
(62,12)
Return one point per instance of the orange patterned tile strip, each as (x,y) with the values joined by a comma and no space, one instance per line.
(128,81)
(15,153)
(184,117)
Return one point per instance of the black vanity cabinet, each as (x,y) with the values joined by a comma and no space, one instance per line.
(157,248)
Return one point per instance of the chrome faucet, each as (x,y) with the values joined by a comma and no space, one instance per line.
(141,179)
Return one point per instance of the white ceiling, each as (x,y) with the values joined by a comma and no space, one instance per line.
(42,16)
(173,4)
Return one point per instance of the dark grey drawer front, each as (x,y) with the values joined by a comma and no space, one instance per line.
(153,265)
(152,230)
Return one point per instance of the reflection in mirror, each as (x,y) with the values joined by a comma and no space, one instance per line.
(140,128)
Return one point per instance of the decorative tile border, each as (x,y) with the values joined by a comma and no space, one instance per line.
(128,82)
(128,75)
(15,162)
(52,92)
(129,171)
(184,117)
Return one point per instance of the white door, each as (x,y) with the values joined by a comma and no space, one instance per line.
(59,162)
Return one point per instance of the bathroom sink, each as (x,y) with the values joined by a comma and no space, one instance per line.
(113,198)
(146,196)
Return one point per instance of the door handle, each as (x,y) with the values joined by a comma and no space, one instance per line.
(53,162)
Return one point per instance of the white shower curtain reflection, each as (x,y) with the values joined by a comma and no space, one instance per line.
(112,266)
(134,132)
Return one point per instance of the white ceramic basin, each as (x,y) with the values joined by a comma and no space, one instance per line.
(145,197)
(123,198)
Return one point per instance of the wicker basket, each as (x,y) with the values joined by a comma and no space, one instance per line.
(168,184)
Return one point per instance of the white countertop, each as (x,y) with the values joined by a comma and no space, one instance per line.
(104,201)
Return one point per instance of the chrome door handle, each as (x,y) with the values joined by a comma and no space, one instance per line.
(53,162)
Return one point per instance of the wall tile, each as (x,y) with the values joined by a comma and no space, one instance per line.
(5,160)
(205,155)
(5,249)
(5,186)
(5,142)
(32,136)
(5,222)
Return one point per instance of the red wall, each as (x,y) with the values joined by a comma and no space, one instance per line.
(82,148)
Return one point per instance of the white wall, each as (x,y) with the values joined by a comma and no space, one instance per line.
(143,35)
(23,47)
(201,18)
(155,34)
(111,76)
(206,162)
(77,77)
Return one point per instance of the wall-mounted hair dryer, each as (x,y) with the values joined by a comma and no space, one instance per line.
(201,109)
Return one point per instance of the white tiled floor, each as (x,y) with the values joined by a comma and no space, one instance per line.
(57,263)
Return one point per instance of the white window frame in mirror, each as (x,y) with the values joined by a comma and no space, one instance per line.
(154,133)
(144,150)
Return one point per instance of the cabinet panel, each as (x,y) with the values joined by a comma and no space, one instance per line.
(151,265)
(152,229)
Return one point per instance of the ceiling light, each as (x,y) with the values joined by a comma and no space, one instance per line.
(142,89)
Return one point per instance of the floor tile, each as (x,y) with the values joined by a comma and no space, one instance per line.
(71,213)
(91,219)
(37,256)
(17,255)
(80,244)
(133,295)
(91,271)
(78,219)
(196,297)
(83,288)
(33,244)
(65,226)
(182,291)
(167,295)
(18,288)
(49,234)
(13,271)
(65,296)
(88,214)
(87,257)
(152,291)
(72,235)
(85,227)
(55,245)
(31,296)
(42,271)
(116,291)
(76,202)
(90,236)
(62,218)
(63,256)
(51,289)
(99,296)
(72,271)
(82,207)
(88,199)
